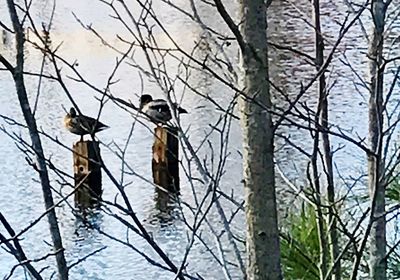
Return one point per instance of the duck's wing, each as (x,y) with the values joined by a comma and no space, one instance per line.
(85,123)
(157,111)
(162,106)
(159,105)
(91,125)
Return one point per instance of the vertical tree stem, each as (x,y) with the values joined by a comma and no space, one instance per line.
(327,154)
(378,263)
(258,147)
(36,143)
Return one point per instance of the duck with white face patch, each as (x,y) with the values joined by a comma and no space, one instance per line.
(158,110)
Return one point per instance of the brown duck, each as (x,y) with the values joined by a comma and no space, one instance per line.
(82,125)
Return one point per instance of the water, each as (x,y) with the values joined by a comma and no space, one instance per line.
(21,201)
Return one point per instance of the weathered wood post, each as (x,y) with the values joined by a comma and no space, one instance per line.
(165,163)
(86,167)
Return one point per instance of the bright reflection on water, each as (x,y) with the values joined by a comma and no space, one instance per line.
(21,201)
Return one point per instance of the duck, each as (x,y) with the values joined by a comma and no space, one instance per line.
(158,110)
(81,124)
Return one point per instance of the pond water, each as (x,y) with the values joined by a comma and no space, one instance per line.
(21,200)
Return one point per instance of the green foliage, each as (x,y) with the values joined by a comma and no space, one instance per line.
(393,191)
(394,266)
(393,196)
(300,246)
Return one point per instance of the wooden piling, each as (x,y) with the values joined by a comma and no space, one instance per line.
(86,168)
(165,163)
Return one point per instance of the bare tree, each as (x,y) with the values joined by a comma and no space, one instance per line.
(376,184)
(329,224)
(331,243)
(18,76)
(258,146)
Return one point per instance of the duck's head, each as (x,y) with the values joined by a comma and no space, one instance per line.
(72,112)
(144,99)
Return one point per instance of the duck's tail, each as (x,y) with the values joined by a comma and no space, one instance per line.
(102,126)
(182,111)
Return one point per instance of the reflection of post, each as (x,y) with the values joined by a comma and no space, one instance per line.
(86,154)
(165,162)
(162,199)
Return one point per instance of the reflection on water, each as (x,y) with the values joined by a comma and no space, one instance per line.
(162,216)
(87,238)
(166,207)
(346,96)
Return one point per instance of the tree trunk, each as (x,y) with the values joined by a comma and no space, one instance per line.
(258,146)
(36,143)
(323,122)
(377,258)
